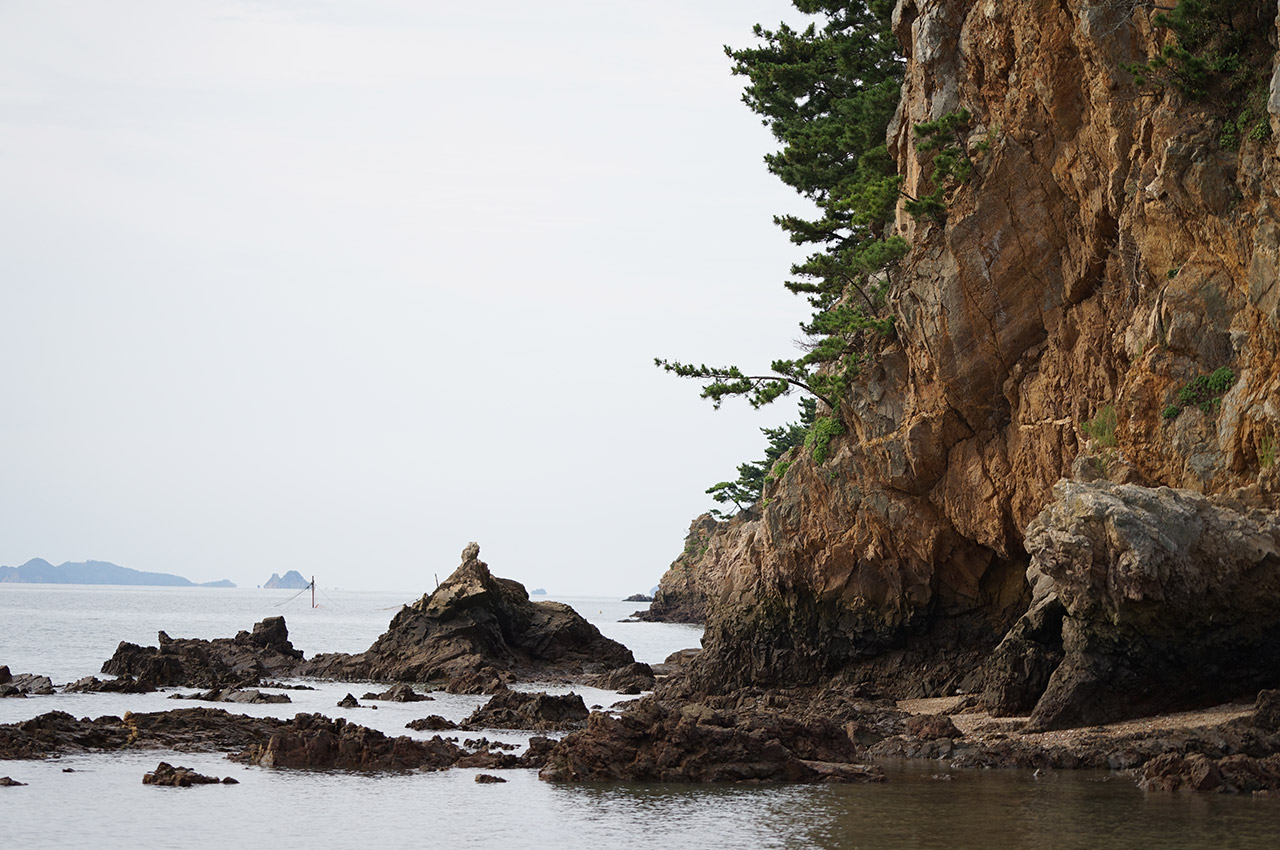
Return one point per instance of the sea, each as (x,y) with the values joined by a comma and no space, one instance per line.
(98,800)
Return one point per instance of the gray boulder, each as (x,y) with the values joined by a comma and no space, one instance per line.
(1168,601)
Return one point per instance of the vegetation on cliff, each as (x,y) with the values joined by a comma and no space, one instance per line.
(827,93)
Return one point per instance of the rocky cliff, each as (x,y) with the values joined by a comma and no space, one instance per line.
(1108,256)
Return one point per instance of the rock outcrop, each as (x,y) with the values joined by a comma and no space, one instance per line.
(1107,255)
(477,624)
(668,741)
(251,696)
(316,742)
(24,684)
(181,777)
(693,579)
(245,659)
(540,712)
(1165,601)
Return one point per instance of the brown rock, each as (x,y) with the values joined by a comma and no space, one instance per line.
(178,777)
(927,727)
(224,662)
(630,679)
(399,692)
(519,710)
(473,622)
(316,742)
(431,723)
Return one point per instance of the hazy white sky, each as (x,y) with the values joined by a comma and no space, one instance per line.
(340,285)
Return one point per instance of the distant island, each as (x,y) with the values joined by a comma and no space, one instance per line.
(291,580)
(538,591)
(40,571)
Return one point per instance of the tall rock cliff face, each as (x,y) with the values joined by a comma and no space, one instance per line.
(1106,252)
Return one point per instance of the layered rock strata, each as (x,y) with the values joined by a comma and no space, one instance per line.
(1106,252)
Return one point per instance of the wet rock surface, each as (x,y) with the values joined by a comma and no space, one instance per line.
(533,711)
(181,777)
(478,626)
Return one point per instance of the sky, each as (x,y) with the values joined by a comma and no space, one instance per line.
(342,285)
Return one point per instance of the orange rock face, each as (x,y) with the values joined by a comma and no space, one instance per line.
(1105,253)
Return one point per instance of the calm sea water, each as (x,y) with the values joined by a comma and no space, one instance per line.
(67,632)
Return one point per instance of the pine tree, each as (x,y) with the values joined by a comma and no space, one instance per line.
(746,490)
(827,93)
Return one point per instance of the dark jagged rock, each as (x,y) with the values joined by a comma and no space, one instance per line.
(237,695)
(486,680)
(349,701)
(291,580)
(186,729)
(488,778)
(668,741)
(6,782)
(25,684)
(431,723)
(5,676)
(1236,774)
(928,727)
(399,692)
(539,751)
(191,662)
(118,685)
(540,712)
(316,742)
(685,589)
(179,777)
(475,621)
(631,679)
(1167,601)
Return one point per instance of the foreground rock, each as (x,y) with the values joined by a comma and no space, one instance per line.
(477,624)
(118,685)
(181,777)
(6,782)
(537,712)
(668,741)
(246,659)
(1155,600)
